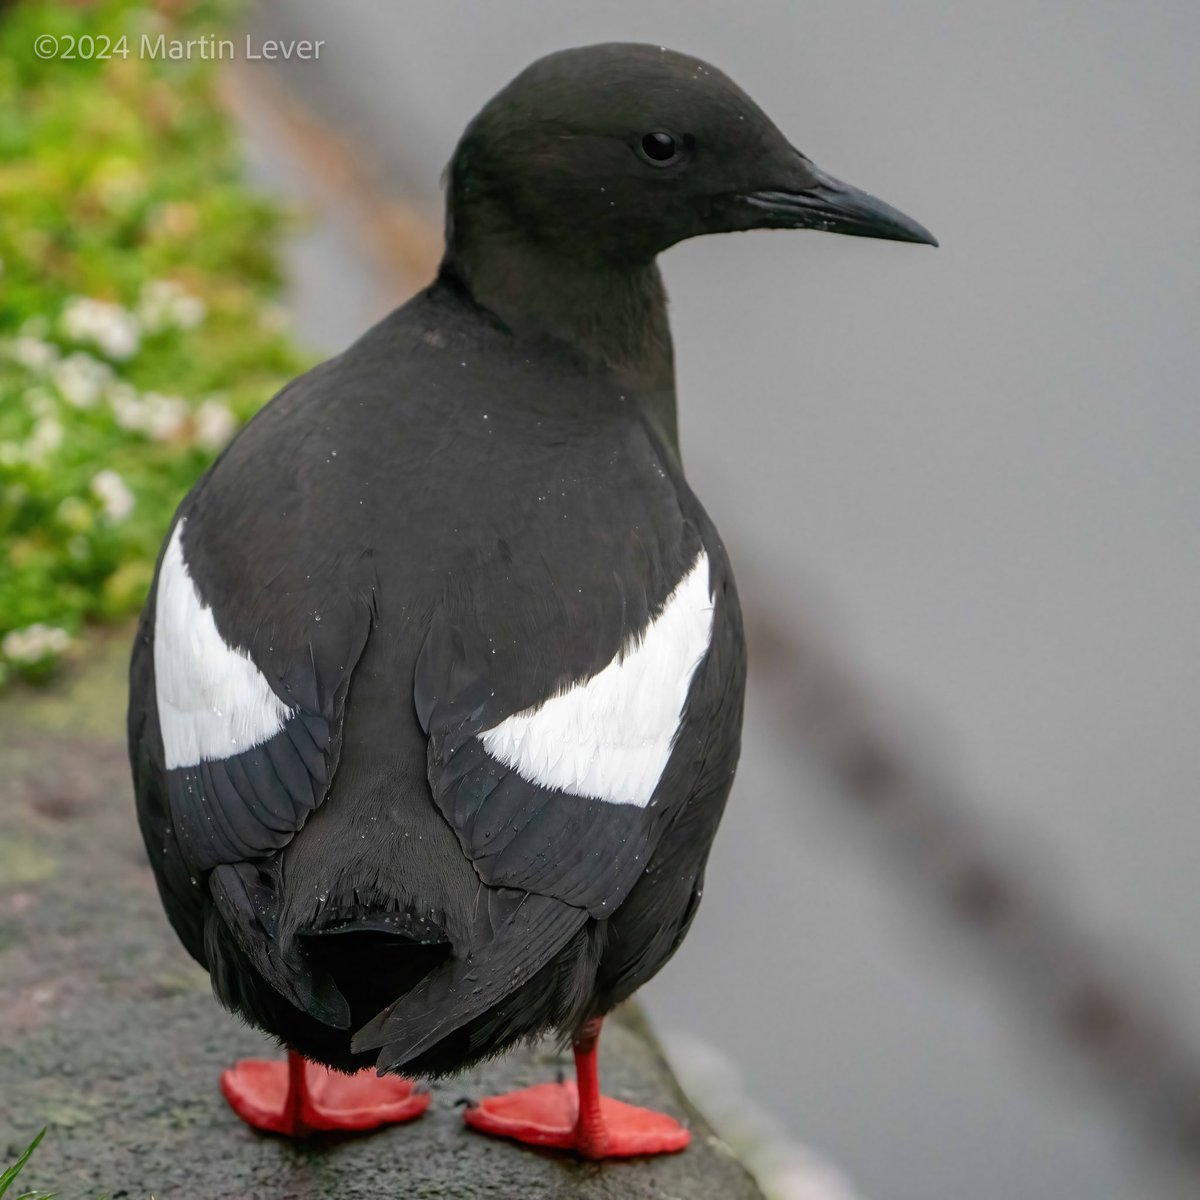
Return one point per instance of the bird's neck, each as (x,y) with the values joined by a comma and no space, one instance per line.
(616,316)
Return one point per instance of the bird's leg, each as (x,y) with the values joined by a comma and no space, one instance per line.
(576,1117)
(591,1136)
(298,1097)
(294,1102)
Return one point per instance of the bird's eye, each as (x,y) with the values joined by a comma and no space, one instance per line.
(660,149)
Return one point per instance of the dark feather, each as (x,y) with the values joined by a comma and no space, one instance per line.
(407,564)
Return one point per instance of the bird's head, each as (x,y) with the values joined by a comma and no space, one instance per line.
(612,153)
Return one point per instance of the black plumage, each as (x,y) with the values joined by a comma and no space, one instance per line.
(475,507)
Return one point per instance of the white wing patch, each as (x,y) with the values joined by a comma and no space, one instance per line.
(609,738)
(213,702)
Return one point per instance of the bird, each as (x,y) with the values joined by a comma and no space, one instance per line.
(436,699)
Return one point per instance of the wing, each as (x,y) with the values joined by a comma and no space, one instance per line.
(559,804)
(566,796)
(249,667)
(250,684)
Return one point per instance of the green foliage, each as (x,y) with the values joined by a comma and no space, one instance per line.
(9,1177)
(137,328)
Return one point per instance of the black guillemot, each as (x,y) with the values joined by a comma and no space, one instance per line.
(437,697)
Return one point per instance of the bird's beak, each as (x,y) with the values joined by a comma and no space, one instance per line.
(822,202)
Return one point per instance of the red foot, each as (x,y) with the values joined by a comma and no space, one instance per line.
(548,1115)
(297,1097)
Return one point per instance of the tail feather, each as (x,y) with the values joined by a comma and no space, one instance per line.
(245,896)
(525,933)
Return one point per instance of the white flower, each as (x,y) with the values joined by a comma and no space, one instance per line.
(157,416)
(46,437)
(166,305)
(163,416)
(127,407)
(35,642)
(113,329)
(189,311)
(37,326)
(115,498)
(39,402)
(81,378)
(215,424)
(32,353)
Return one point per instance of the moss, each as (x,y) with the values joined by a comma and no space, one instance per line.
(22,864)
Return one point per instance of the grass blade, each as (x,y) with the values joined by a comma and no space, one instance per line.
(10,1175)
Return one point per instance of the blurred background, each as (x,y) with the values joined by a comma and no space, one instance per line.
(950,932)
